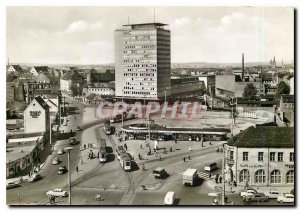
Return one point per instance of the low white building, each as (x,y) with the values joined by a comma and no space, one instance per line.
(36,116)
(261,156)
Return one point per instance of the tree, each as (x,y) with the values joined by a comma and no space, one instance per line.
(76,89)
(282,88)
(250,92)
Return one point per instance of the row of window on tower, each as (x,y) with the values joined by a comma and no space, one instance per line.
(139,74)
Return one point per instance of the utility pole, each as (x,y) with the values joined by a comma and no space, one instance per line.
(223,173)
(50,130)
(122,108)
(68,149)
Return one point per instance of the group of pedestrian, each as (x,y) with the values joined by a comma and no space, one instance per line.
(51,199)
(188,158)
(218,179)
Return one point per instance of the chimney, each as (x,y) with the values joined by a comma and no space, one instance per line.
(243,67)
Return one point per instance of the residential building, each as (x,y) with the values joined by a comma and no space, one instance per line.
(14,69)
(261,156)
(39,69)
(142,61)
(36,116)
(101,89)
(209,82)
(186,87)
(69,79)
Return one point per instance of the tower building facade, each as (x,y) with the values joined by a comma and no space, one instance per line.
(143,61)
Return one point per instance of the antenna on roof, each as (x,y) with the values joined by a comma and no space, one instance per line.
(8,61)
(154,14)
(128,20)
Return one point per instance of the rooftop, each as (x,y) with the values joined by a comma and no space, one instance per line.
(265,136)
(147,24)
(14,152)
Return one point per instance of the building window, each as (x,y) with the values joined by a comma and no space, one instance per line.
(245,156)
(260,156)
(272,156)
(260,176)
(290,176)
(280,156)
(275,176)
(244,176)
(230,155)
(291,157)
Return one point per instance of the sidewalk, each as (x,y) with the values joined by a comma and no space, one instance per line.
(219,187)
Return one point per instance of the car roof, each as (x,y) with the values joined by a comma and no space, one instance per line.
(159,169)
(288,194)
(57,189)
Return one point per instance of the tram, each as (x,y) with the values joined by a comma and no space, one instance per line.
(102,151)
(124,158)
(108,129)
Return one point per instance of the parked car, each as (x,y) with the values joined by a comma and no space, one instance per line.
(169,198)
(78,128)
(257,197)
(160,173)
(62,170)
(60,151)
(72,140)
(35,178)
(57,192)
(55,161)
(248,192)
(11,185)
(272,194)
(286,198)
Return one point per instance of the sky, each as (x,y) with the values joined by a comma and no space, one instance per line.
(85,35)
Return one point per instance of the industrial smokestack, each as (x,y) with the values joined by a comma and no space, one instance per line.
(243,71)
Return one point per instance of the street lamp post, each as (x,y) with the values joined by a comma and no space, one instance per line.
(223,172)
(122,108)
(165,96)
(68,149)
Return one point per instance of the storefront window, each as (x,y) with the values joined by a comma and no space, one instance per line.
(260,176)
(244,175)
(290,176)
(275,176)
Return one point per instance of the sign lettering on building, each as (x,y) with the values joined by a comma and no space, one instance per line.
(35,114)
(253,165)
(289,166)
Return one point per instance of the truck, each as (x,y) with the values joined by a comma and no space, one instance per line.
(190,176)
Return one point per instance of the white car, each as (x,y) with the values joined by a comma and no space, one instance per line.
(55,161)
(60,151)
(248,192)
(57,192)
(286,198)
(272,194)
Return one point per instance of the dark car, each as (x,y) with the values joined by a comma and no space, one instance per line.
(62,170)
(72,141)
(257,197)
(35,178)
(160,173)
(11,185)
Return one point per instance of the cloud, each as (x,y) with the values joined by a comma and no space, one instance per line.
(180,22)
(78,26)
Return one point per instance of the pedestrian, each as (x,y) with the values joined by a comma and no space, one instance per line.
(175,141)
(216,179)
(183,159)
(143,167)
(141,147)
(139,155)
(210,143)
(81,161)
(125,146)
(77,169)
(165,151)
(84,146)
(209,175)
(171,149)
(160,158)
(220,179)
(190,149)
(154,153)
(189,157)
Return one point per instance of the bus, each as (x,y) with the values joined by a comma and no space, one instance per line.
(118,118)
(102,151)
(120,150)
